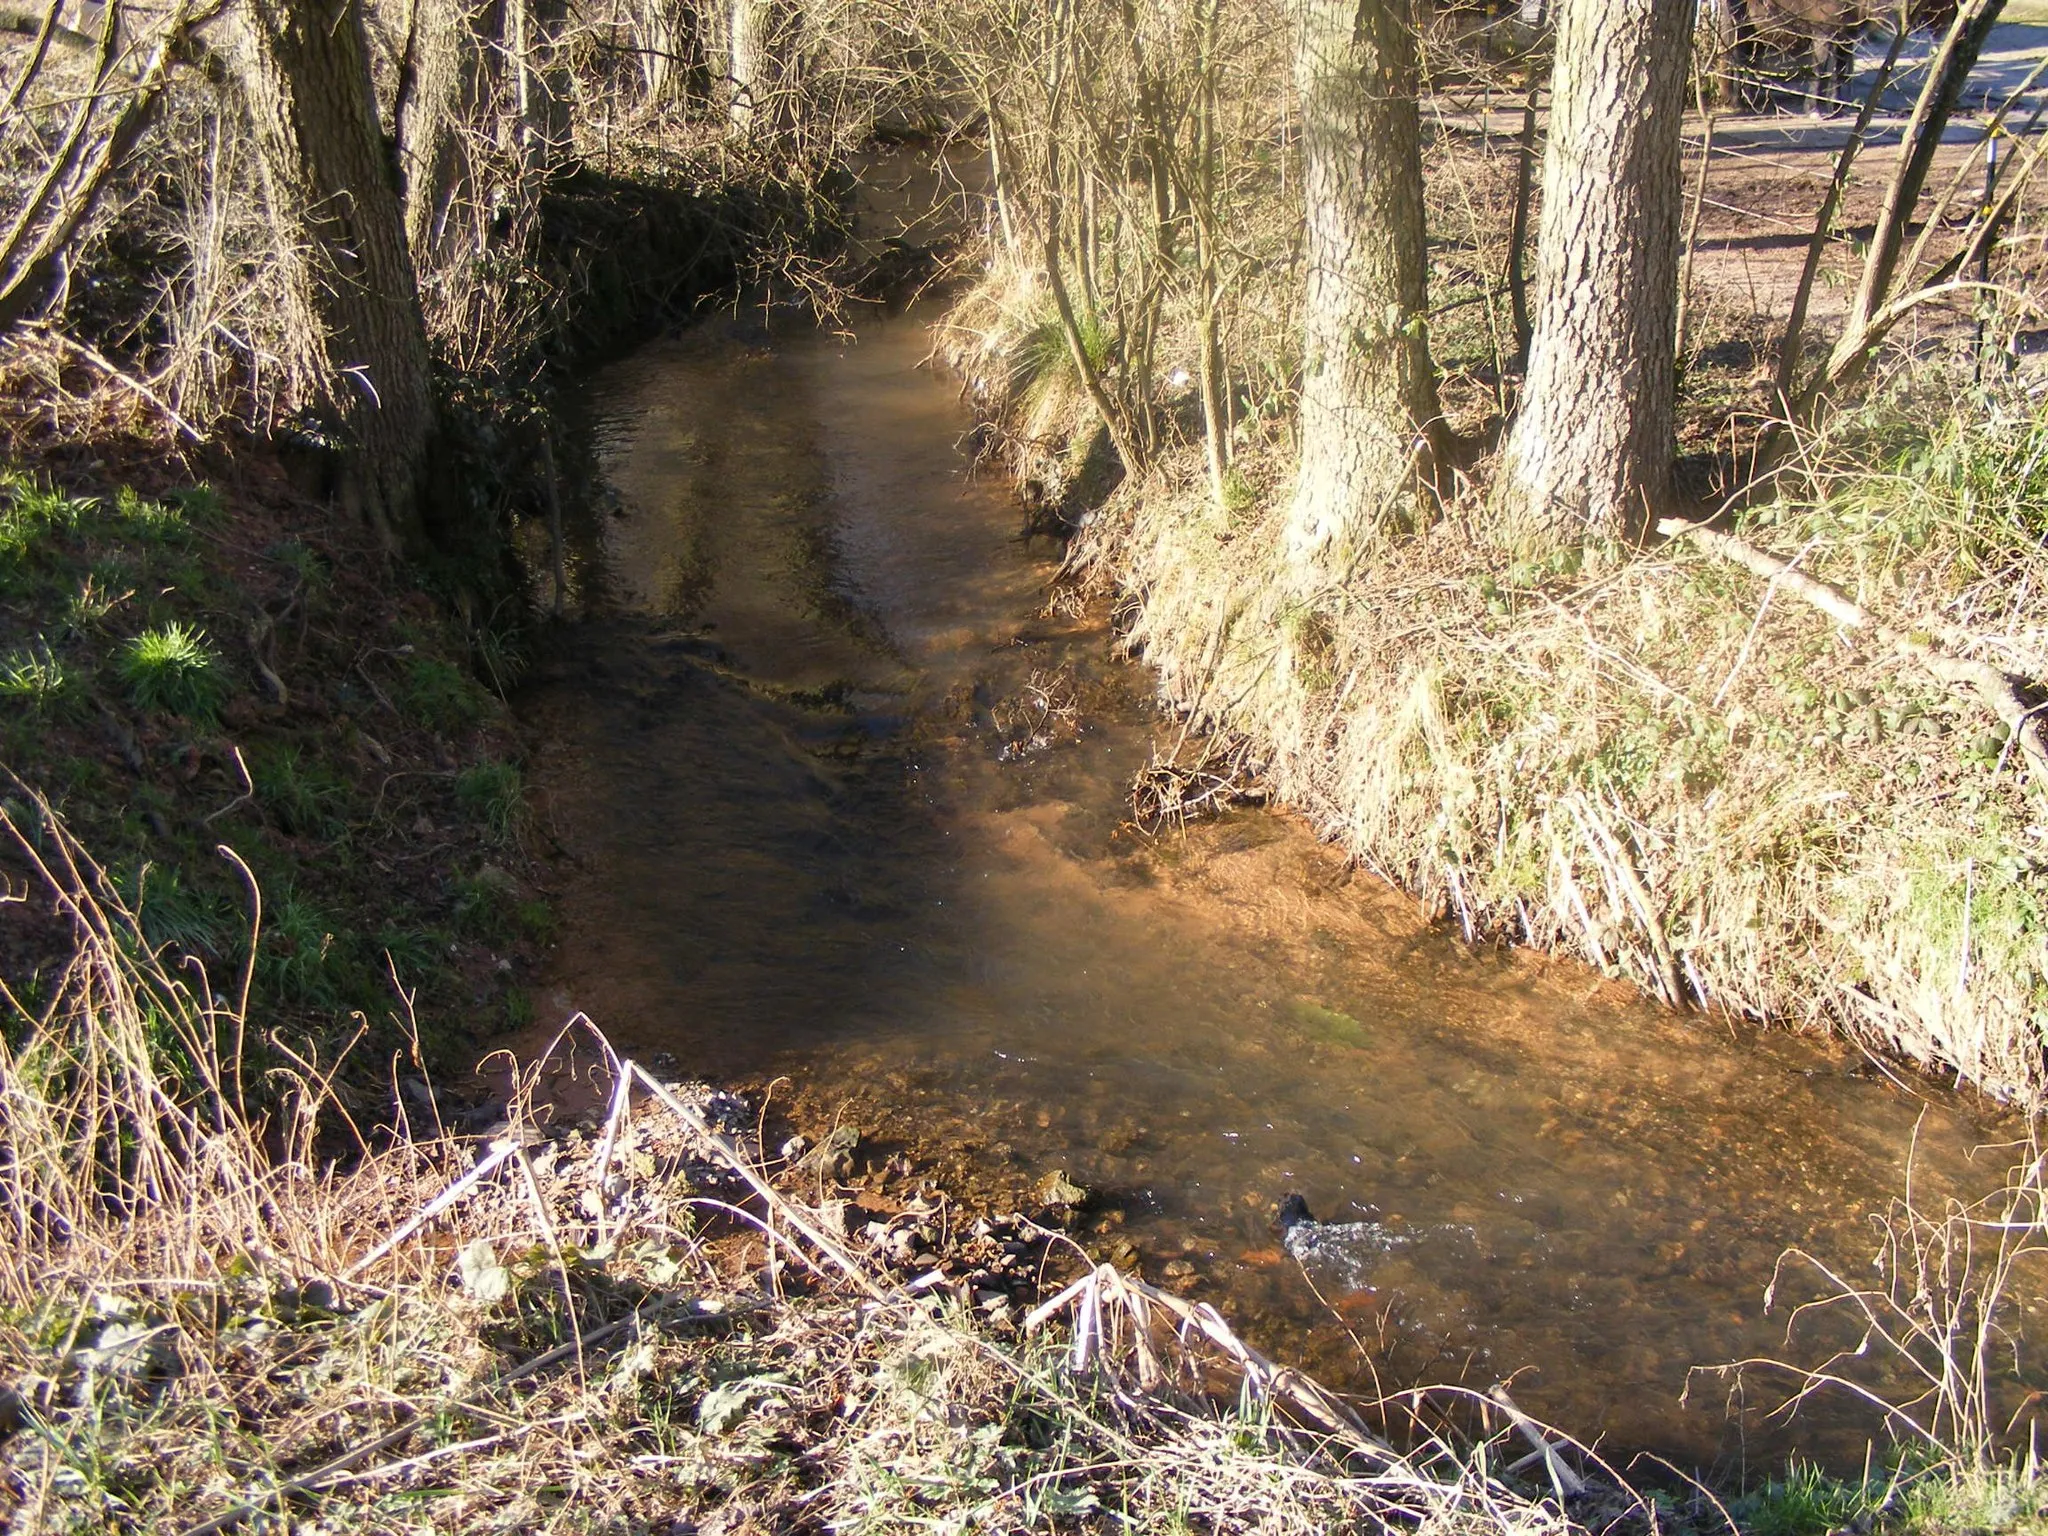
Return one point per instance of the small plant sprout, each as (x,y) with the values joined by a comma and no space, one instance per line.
(90,606)
(172,667)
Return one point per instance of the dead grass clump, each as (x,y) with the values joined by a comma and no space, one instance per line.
(1664,765)
(227,1303)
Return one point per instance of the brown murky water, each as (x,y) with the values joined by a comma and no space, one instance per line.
(821,828)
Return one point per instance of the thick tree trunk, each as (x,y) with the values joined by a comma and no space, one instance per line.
(765,66)
(1368,398)
(1590,452)
(334,207)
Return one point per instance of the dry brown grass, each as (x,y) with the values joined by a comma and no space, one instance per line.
(218,1312)
(1658,764)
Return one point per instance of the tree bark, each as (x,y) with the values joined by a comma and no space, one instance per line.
(539,89)
(1589,456)
(444,80)
(1368,397)
(766,45)
(354,311)
(665,33)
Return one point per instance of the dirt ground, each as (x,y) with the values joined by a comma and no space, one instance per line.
(1769,171)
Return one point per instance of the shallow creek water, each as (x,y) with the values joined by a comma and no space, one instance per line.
(816,825)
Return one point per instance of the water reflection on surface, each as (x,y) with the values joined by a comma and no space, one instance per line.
(823,824)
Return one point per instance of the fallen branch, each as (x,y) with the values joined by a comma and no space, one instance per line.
(1992,686)
(1562,1478)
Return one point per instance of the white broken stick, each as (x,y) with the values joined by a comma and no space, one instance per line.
(1989,683)
(500,1151)
(737,1161)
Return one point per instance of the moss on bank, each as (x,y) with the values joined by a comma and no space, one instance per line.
(217,683)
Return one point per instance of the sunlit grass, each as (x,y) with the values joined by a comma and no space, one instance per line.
(173,667)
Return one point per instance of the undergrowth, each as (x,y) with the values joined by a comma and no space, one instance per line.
(215,1314)
(1659,763)
(182,670)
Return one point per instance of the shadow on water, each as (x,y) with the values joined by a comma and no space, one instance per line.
(841,801)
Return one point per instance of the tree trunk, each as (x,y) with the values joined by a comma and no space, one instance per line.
(444,80)
(354,314)
(1948,74)
(1589,456)
(767,39)
(1368,398)
(665,34)
(538,88)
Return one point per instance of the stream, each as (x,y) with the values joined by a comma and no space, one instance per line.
(844,803)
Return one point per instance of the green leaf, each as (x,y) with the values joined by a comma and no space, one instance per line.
(726,1404)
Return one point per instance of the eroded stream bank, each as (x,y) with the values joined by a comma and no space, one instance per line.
(843,803)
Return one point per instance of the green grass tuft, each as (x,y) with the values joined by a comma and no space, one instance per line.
(303,958)
(34,677)
(493,794)
(161,522)
(301,794)
(172,667)
(440,695)
(1804,1502)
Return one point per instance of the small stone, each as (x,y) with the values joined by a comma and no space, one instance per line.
(1057,1189)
